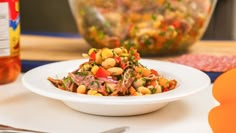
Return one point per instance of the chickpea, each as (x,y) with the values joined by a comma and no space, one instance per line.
(144,90)
(108,63)
(92,92)
(98,94)
(106,53)
(118,51)
(94,69)
(150,87)
(139,82)
(98,57)
(158,88)
(81,89)
(160,17)
(85,55)
(136,94)
(115,70)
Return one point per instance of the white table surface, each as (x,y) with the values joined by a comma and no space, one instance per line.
(20,107)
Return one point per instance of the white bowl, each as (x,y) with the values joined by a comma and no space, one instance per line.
(189,80)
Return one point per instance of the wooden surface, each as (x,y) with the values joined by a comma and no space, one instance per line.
(57,49)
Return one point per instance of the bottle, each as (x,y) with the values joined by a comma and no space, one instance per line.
(10,66)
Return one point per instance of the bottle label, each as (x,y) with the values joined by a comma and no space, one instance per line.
(9,28)
(4,30)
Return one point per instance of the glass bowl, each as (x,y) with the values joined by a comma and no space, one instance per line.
(154,27)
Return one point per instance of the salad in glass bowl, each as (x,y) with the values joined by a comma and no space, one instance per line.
(154,27)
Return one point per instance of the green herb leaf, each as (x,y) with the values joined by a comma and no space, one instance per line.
(143,79)
(147,42)
(82,73)
(140,72)
(154,90)
(135,31)
(100,35)
(108,90)
(132,57)
(136,63)
(95,83)
(170,29)
(154,18)
(67,79)
(82,12)
(162,33)
(128,44)
(107,24)
(168,5)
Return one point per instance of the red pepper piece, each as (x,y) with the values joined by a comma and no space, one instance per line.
(93,56)
(102,73)
(154,72)
(137,56)
(176,24)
